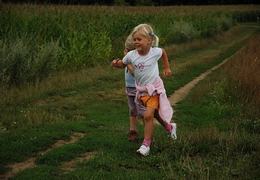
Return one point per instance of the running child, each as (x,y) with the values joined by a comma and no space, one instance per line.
(150,88)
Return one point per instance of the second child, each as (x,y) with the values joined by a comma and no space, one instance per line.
(135,110)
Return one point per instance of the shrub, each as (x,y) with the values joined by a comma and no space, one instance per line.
(21,62)
(181,31)
(86,48)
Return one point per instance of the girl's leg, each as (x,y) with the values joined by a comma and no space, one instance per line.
(132,135)
(151,103)
(149,126)
(169,127)
(159,119)
(133,123)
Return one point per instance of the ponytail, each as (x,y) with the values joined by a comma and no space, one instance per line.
(155,42)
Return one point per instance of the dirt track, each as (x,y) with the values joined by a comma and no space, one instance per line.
(182,92)
(176,97)
(30,162)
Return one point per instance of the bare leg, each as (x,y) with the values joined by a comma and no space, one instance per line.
(132,135)
(133,123)
(148,132)
(149,126)
(169,127)
(159,119)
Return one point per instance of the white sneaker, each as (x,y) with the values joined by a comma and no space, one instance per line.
(173,131)
(144,150)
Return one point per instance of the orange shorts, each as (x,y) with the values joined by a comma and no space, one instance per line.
(150,101)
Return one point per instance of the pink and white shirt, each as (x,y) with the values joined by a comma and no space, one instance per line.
(145,67)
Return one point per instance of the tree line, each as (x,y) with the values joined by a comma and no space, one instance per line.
(136,2)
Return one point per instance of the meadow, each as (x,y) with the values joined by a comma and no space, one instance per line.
(37,41)
(218,123)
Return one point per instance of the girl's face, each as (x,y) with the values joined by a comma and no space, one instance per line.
(142,43)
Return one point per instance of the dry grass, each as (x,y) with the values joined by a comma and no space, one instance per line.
(244,69)
(61,80)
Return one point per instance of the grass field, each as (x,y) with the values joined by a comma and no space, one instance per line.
(36,41)
(217,129)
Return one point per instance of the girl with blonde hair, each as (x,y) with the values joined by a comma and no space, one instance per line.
(149,85)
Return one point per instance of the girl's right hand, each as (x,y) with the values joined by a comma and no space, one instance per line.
(114,62)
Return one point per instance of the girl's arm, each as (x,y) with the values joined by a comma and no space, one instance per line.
(130,69)
(166,66)
(118,63)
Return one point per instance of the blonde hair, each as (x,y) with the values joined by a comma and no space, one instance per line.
(147,31)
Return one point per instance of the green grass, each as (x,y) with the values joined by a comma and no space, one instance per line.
(36,41)
(199,60)
(217,127)
(93,102)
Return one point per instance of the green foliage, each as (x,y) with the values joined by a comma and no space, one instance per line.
(86,48)
(21,62)
(181,31)
(246,16)
(214,140)
(88,36)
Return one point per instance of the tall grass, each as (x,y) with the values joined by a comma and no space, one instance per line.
(221,115)
(85,36)
(244,83)
(22,61)
(212,142)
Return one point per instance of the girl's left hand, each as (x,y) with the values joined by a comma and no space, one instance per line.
(167,72)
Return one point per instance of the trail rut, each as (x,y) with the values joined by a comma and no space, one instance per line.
(174,99)
(182,92)
(30,162)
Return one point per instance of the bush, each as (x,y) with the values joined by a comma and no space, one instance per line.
(181,31)
(86,48)
(21,62)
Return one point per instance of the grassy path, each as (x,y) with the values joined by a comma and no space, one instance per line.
(182,92)
(31,162)
(219,125)
(210,53)
(93,103)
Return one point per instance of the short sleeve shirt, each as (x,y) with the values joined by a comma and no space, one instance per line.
(145,67)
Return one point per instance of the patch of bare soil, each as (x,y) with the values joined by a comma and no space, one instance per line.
(30,162)
(71,165)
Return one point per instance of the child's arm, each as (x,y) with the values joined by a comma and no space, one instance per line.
(130,69)
(166,66)
(118,63)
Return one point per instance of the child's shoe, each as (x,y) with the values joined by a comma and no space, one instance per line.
(144,150)
(132,135)
(173,133)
